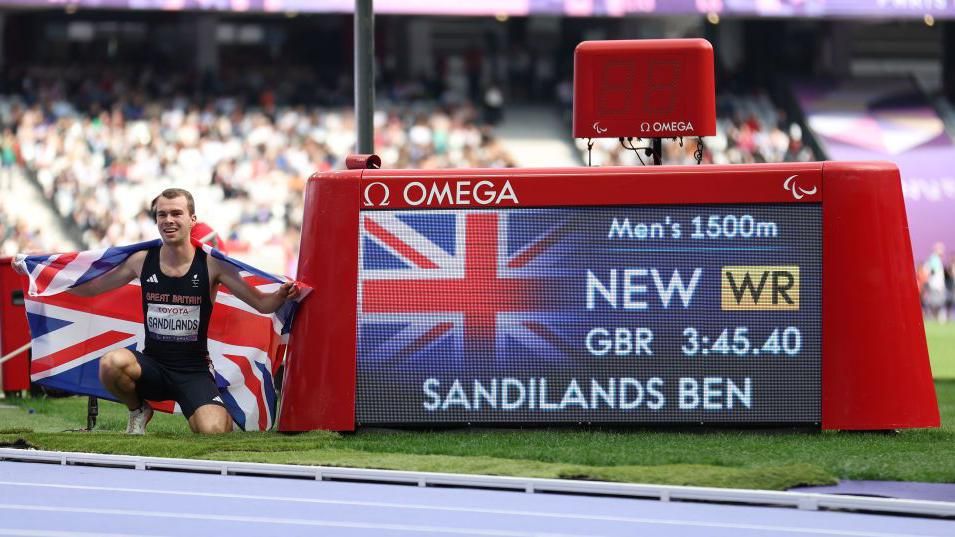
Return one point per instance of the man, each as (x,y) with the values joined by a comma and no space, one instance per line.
(179,283)
(934,289)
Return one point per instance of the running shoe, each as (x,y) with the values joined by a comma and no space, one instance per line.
(138,419)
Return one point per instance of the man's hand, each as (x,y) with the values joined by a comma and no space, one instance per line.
(271,302)
(18,264)
(287,291)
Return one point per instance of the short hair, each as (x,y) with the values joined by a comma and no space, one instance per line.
(172,193)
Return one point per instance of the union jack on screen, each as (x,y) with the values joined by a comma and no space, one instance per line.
(70,333)
(461,288)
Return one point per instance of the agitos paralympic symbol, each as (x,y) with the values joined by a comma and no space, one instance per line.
(797,191)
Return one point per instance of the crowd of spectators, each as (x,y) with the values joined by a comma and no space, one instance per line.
(749,129)
(17,234)
(102,144)
(101,147)
(18,231)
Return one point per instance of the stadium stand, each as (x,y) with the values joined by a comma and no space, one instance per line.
(103,153)
(99,147)
(107,104)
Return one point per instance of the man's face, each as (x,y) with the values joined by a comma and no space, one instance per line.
(173,219)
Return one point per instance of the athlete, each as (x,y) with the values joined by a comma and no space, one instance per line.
(179,283)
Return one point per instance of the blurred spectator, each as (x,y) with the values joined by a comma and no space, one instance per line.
(934,293)
(17,235)
(950,287)
(8,159)
(493,104)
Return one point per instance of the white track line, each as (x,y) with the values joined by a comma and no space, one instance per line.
(440,529)
(412,528)
(13,532)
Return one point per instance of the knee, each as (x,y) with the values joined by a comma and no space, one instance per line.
(211,420)
(214,427)
(115,362)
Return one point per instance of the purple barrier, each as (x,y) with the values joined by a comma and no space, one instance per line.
(573,8)
(891,120)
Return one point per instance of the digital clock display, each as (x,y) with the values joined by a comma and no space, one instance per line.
(662,313)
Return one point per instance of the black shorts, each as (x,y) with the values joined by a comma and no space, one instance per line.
(190,389)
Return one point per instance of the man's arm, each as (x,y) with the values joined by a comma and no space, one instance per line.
(122,274)
(228,275)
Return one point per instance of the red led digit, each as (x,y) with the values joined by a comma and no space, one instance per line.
(663,85)
(615,83)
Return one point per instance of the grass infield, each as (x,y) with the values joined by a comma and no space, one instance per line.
(719,458)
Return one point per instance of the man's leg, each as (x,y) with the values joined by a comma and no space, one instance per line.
(210,419)
(200,401)
(118,371)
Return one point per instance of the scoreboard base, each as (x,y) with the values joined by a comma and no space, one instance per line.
(767,296)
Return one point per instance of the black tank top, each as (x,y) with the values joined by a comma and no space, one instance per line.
(176,313)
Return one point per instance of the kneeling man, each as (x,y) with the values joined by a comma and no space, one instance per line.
(179,283)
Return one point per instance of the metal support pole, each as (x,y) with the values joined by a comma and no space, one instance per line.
(13,354)
(657,151)
(364,75)
(92,411)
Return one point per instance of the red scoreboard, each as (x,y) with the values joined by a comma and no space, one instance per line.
(646,88)
(757,294)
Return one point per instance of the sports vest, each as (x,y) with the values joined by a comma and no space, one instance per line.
(176,313)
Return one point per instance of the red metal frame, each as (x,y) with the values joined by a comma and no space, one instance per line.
(875,367)
(14,331)
(875,362)
(318,390)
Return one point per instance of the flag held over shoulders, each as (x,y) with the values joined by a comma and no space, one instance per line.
(70,333)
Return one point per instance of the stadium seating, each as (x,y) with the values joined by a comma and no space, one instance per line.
(100,168)
(101,146)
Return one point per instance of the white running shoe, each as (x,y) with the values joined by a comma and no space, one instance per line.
(138,419)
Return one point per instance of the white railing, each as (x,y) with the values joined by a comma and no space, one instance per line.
(798,500)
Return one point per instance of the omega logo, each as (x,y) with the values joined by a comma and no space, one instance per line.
(668,126)
(458,193)
(385,193)
(462,192)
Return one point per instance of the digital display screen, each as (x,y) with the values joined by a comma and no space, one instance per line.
(641,314)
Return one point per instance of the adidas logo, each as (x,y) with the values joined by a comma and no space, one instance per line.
(152,279)
(217,399)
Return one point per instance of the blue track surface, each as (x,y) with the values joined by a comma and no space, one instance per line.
(65,501)
(936,492)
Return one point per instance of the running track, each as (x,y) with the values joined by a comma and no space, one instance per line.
(42,499)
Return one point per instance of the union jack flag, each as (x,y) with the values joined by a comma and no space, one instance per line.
(460,287)
(71,333)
